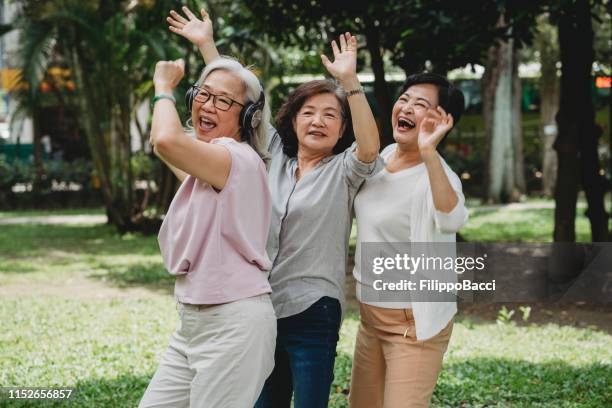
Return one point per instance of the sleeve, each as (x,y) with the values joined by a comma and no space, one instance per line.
(452,221)
(275,144)
(246,203)
(355,170)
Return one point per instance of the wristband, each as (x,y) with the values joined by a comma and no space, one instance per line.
(163,96)
(354,92)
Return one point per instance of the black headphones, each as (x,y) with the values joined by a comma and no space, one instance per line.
(250,115)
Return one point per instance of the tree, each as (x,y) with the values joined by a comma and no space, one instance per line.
(577,142)
(109,51)
(547,45)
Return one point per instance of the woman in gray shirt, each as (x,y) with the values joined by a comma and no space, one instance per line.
(314,175)
(315,172)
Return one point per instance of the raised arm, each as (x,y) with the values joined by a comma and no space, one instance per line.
(344,69)
(206,161)
(433,128)
(198,32)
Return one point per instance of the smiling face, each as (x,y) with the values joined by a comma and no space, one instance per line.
(410,110)
(319,123)
(211,122)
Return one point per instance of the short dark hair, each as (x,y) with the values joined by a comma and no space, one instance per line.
(450,98)
(295,101)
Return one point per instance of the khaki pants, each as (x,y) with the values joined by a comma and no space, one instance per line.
(219,357)
(391,368)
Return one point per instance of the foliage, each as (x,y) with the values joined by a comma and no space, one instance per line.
(110,48)
(55,171)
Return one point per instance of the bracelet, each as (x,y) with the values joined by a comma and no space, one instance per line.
(354,92)
(163,96)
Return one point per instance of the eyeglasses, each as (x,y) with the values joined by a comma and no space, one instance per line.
(220,102)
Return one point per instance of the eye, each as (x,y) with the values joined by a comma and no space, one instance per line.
(224,101)
(203,94)
(306,113)
(403,99)
(330,116)
(421,105)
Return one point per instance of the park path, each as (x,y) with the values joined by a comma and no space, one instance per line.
(55,219)
(101,219)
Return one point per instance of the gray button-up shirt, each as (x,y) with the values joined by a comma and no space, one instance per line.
(310,227)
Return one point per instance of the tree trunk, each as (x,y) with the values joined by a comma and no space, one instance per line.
(577,141)
(37,144)
(488,84)
(502,180)
(520,186)
(381,90)
(547,45)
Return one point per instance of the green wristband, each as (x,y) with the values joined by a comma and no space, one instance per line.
(163,96)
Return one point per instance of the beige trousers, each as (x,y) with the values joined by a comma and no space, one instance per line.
(219,357)
(391,368)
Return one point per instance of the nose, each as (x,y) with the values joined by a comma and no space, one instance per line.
(407,108)
(318,120)
(209,105)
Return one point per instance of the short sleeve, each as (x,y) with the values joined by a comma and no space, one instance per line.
(245,162)
(355,170)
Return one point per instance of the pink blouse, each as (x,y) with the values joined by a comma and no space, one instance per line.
(215,243)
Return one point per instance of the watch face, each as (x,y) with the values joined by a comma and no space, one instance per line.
(256,119)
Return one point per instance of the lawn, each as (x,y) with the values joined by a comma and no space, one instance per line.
(82,306)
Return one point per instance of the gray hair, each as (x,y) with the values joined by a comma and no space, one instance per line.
(259,139)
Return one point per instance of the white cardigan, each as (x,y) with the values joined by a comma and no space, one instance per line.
(430,225)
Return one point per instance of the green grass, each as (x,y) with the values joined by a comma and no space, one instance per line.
(108,350)
(508,225)
(82,306)
(67,211)
(35,254)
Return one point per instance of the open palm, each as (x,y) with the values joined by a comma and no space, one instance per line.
(345,57)
(192,28)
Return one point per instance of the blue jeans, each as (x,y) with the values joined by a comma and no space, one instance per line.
(304,358)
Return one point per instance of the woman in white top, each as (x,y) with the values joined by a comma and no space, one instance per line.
(417,198)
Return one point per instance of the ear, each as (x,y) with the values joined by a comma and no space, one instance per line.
(342,129)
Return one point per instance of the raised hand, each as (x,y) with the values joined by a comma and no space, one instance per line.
(434,126)
(344,66)
(195,30)
(168,74)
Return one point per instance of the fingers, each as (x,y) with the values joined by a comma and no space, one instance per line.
(335,49)
(204,14)
(188,13)
(180,63)
(343,42)
(174,23)
(326,62)
(178,17)
(450,122)
(352,44)
(434,114)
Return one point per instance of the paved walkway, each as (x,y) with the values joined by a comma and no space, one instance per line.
(55,219)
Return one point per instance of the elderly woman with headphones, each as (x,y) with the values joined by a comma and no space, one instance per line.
(213,238)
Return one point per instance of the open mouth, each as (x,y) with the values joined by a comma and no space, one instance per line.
(405,124)
(316,133)
(206,123)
